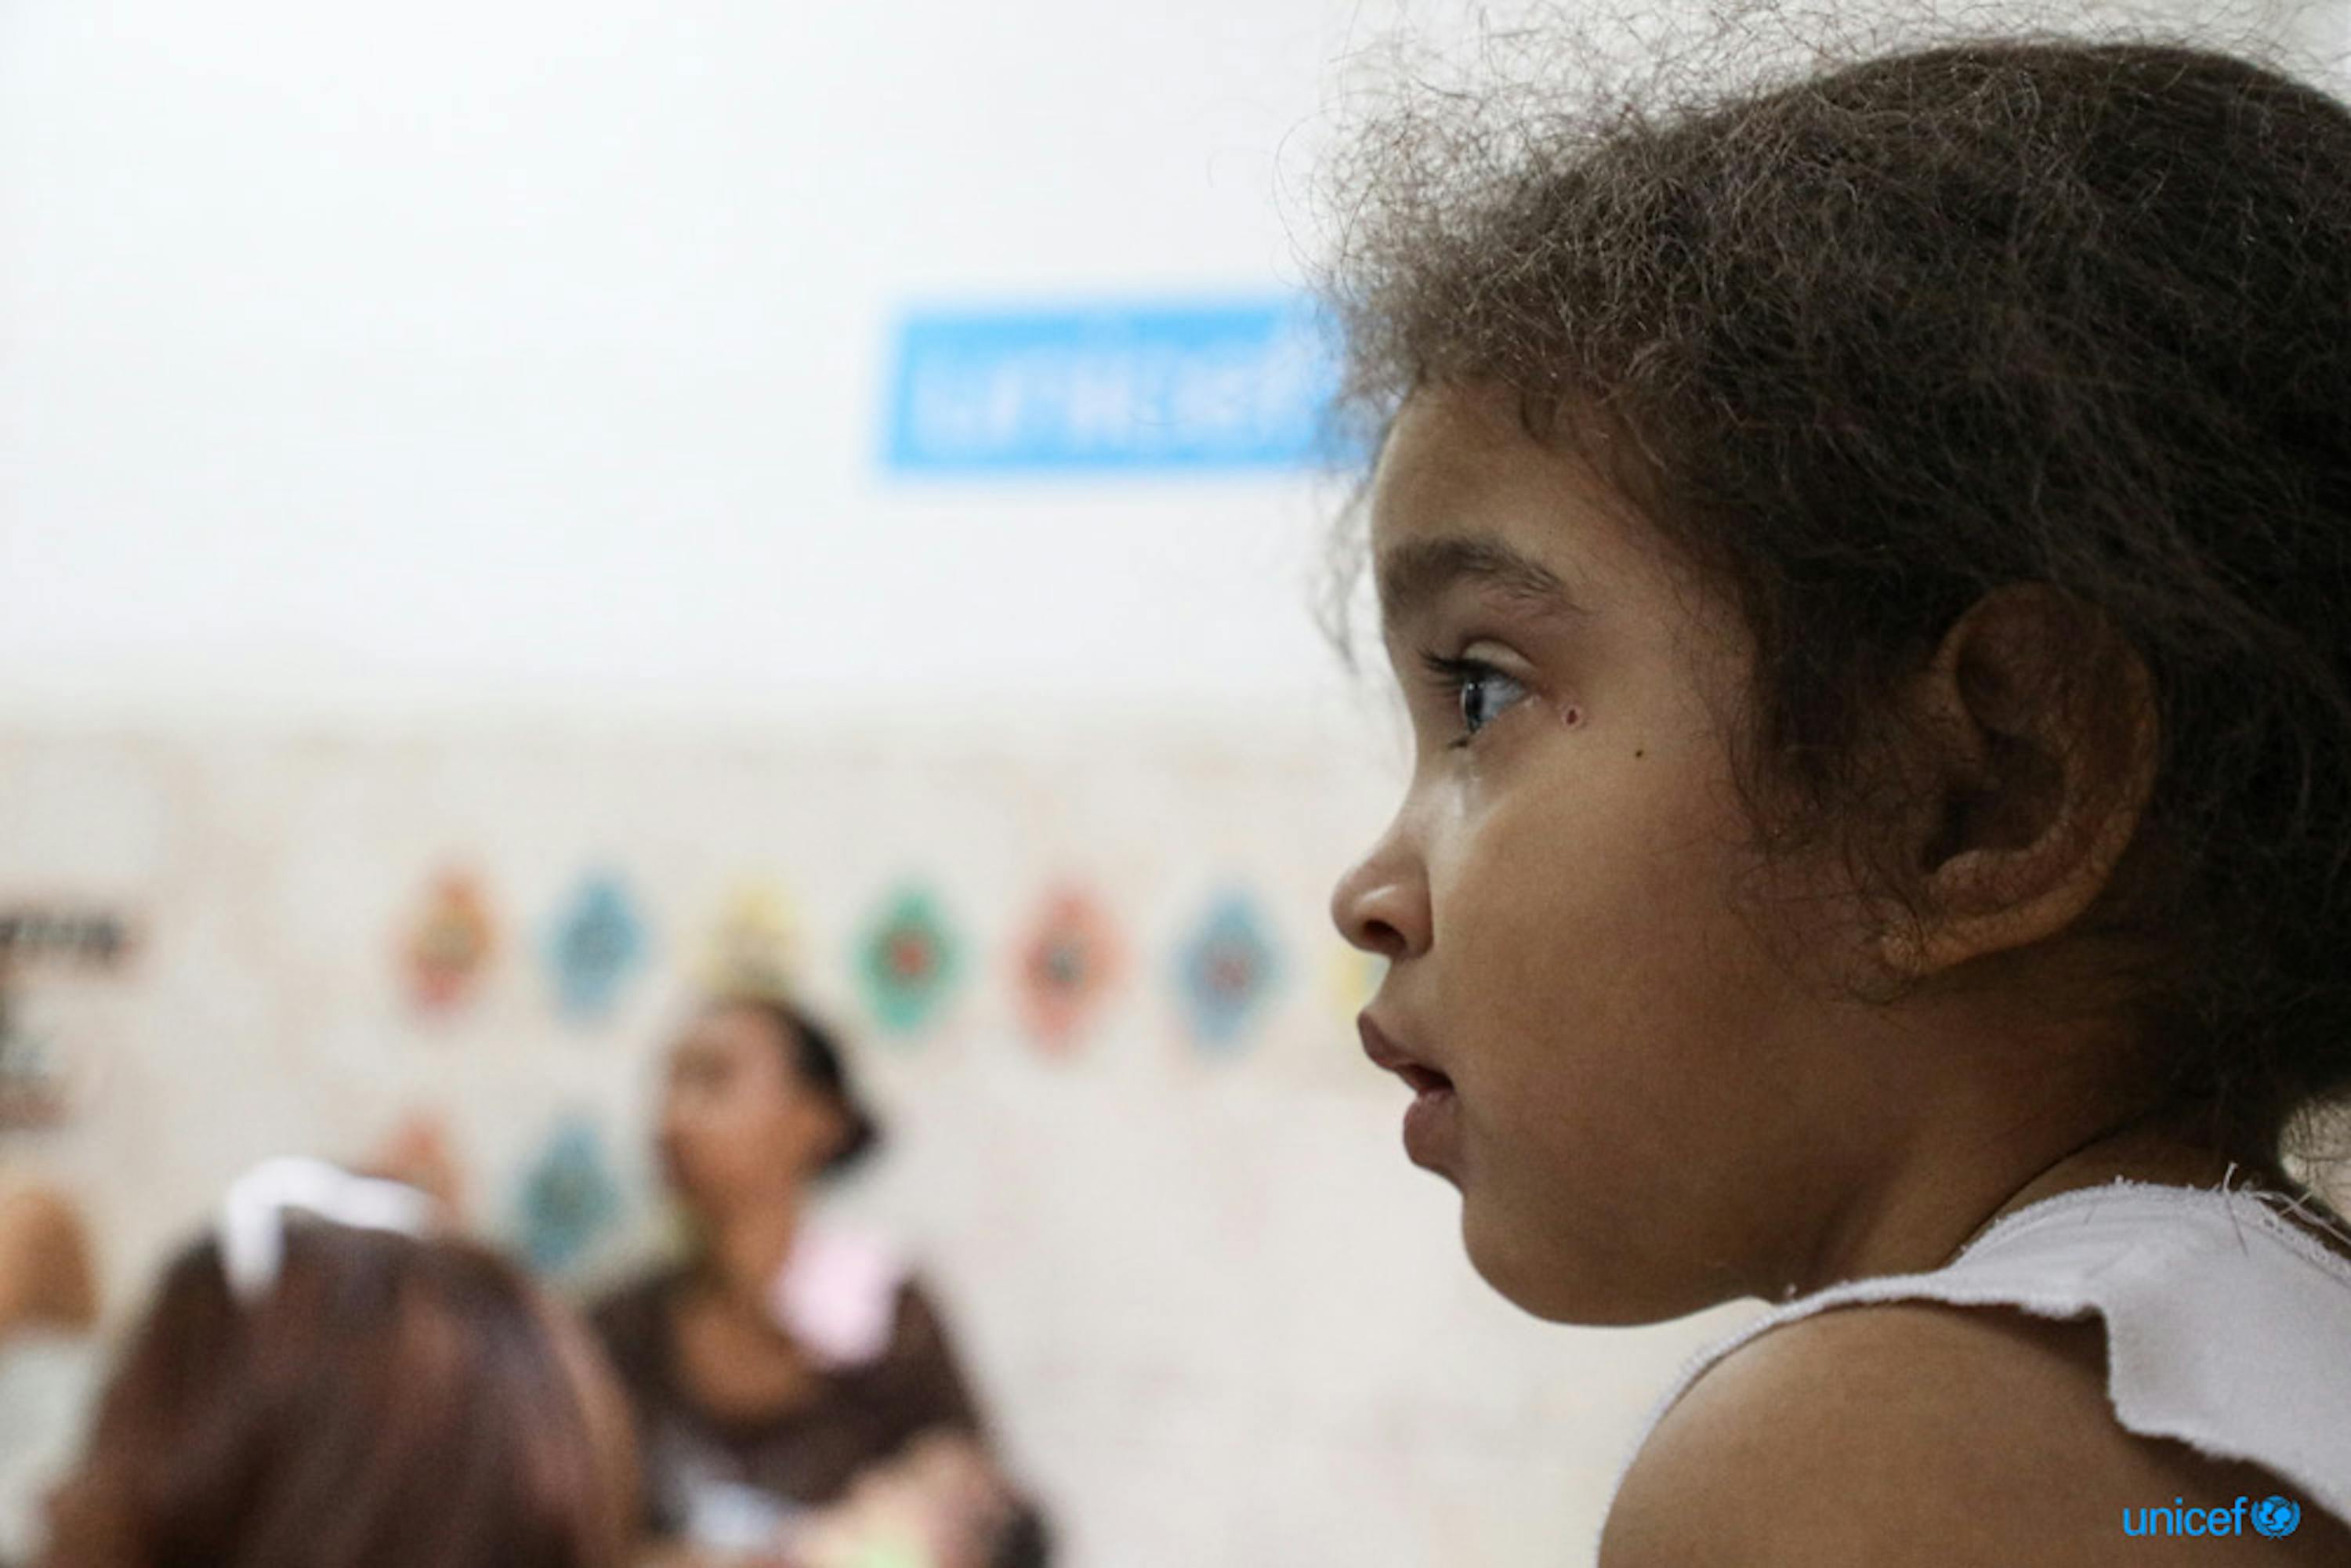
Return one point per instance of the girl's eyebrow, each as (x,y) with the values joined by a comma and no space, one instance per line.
(1412,576)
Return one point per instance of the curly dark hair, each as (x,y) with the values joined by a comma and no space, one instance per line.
(1868,342)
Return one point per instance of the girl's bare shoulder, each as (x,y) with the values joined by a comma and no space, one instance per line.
(1921,1432)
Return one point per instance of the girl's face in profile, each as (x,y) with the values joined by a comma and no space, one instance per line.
(736,1123)
(1636,1088)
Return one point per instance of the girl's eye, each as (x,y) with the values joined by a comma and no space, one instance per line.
(1482,691)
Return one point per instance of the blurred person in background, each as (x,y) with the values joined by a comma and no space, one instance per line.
(796,1395)
(45,1278)
(330,1382)
(49,1309)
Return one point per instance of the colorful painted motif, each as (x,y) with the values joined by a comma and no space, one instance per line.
(570,1200)
(908,961)
(1067,965)
(597,947)
(753,949)
(449,950)
(1227,972)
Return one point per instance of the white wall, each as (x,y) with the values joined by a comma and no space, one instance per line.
(460,352)
(524,354)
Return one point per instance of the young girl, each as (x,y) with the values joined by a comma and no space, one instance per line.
(1868,560)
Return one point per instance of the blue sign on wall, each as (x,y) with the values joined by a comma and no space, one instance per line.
(1243,385)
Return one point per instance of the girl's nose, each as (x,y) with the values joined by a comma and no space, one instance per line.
(1381,905)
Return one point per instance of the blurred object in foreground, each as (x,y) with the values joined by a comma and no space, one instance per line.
(371,1398)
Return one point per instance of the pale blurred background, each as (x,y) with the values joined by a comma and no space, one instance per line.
(452,440)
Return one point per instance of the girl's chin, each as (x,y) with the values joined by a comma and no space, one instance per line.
(1543,1279)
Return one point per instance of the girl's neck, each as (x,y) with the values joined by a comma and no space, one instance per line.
(2138,1152)
(2163,1156)
(1945,1194)
(746,1247)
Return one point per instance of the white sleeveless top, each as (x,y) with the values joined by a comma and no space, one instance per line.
(2228,1328)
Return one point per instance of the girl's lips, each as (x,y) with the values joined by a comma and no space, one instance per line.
(1424,1079)
(1385,1053)
(1432,1128)
(1432,1125)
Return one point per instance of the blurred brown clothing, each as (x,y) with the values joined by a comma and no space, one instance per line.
(807,1455)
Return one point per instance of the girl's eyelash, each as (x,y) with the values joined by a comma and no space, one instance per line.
(1442,668)
(1449,674)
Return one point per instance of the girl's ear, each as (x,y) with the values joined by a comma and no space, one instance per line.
(2043,733)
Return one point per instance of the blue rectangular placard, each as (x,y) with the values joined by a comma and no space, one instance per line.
(1109,388)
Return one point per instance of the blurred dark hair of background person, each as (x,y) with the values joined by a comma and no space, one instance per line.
(390,1402)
